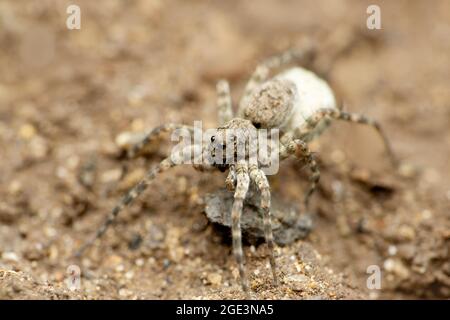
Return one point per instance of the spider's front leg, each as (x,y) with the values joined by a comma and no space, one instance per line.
(155,133)
(301,150)
(260,179)
(242,186)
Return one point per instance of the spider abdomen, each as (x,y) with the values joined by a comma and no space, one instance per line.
(288,100)
(311,94)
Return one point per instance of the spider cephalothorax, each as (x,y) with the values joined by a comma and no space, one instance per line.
(232,142)
(296,102)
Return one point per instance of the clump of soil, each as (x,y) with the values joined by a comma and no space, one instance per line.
(288,224)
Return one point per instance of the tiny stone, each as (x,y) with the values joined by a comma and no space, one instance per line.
(392,250)
(120,268)
(126,139)
(111,175)
(10,256)
(156,236)
(140,262)
(426,214)
(39,148)
(15,187)
(342,225)
(395,266)
(137,125)
(136,95)
(166,263)
(373,295)
(406,251)
(338,189)
(54,253)
(124,292)
(86,263)
(297,282)
(182,185)
(407,170)
(235,273)
(406,232)
(73,162)
(389,264)
(113,261)
(135,242)
(215,279)
(50,232)
(27,131)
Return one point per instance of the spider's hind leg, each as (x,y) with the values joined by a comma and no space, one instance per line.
(338,114)
(300,149)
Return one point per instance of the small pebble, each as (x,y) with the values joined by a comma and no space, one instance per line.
(27,131)
(298,282)
(111,175)
(396,267)
(406,233)
(407,170)
(39,148)
(10,256)
(120,268)
(125,292)
(215,279)
(166,263)
(426,214)
(140,262)
(15,187)
(113,261)
(126,139)
(392,250)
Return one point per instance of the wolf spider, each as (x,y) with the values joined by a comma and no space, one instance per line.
(297,102)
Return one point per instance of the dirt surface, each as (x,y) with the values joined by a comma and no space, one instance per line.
(65,95)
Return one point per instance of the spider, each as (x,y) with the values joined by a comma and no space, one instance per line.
(297,102)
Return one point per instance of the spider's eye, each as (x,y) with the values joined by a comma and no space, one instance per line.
(213,138)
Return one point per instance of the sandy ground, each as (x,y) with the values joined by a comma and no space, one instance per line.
(65,95)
